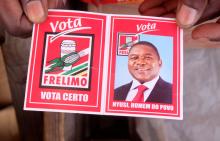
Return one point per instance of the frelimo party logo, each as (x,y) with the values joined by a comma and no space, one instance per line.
(67,61)
(126,40)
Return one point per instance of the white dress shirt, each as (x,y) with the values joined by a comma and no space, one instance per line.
(133,90)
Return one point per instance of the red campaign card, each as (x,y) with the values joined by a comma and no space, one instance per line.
(84,62)
(66,62)
(145,52)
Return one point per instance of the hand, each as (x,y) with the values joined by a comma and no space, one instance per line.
(188,13)
(17,16)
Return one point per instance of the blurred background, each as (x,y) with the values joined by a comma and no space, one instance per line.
(201,98)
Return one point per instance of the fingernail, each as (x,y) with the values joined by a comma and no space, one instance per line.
(141,8)
(186,16)
(64,2)
(36,12)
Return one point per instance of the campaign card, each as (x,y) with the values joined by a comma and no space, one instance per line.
(66,63)
(145,51)
(109,64)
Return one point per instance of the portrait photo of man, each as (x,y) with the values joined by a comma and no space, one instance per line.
(144,65)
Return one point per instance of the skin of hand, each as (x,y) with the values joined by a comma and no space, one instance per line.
(18,16)
(188,13)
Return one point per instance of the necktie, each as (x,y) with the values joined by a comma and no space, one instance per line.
(140,94)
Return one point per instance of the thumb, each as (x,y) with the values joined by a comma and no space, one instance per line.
(189,12)
(35,10)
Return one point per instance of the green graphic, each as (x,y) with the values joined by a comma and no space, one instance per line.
(65,61)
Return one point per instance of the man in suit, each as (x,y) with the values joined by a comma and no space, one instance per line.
(144,65)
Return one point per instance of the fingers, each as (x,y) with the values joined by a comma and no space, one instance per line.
(158,7)
(13,19)
(96,2)
(54,4)
(209,31)
(35,10)
(17,16)
(170,15)
(148,4)
(189,12)
(158,11)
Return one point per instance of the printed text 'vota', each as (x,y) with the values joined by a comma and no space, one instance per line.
(69,23)
(146,27)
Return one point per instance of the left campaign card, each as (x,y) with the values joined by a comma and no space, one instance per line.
(66,63)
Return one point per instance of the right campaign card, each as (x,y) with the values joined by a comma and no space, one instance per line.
(145,68)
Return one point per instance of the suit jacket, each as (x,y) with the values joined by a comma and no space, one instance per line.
(161,93)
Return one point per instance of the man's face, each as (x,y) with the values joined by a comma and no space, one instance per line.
(143,63)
